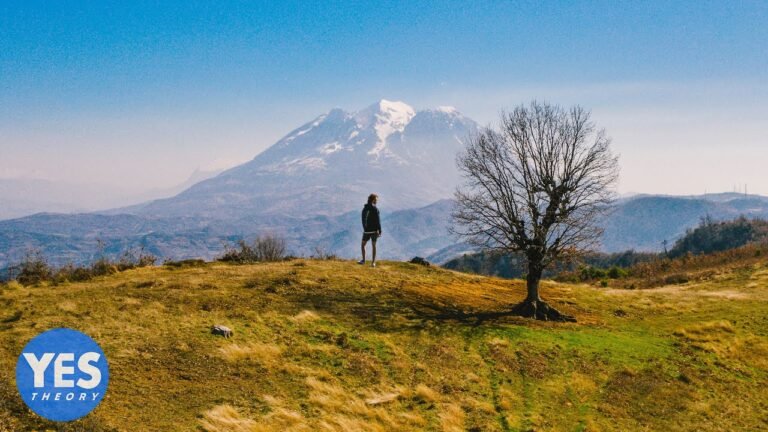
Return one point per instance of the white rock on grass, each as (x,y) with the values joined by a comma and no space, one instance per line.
(221,330)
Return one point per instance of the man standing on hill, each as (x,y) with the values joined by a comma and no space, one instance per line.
(371,227)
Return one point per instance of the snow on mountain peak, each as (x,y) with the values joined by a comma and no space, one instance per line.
(447,109)
(384,111)
(386,117)
(397,110)
(375,131)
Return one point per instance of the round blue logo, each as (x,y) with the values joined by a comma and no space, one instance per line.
(62,374)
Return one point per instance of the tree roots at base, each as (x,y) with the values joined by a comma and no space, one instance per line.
(540,310)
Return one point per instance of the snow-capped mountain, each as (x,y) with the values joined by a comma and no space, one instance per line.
(330,164)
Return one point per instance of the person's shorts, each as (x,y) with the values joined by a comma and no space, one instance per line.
(370,236)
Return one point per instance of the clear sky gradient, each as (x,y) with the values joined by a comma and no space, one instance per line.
(139,94)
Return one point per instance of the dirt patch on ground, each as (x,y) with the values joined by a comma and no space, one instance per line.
(677,290)
(729,295)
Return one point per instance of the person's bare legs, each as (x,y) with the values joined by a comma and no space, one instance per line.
(373,252)
(362,249)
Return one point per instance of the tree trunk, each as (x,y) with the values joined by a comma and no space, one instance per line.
(532,283)
(533,306)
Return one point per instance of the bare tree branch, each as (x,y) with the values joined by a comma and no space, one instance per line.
(538,185)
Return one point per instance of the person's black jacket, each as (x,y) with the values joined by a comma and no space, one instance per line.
(371,220)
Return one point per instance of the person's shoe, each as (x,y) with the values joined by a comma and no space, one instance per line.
(361,262)
(373,264)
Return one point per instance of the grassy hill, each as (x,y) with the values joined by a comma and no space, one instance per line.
(329,345)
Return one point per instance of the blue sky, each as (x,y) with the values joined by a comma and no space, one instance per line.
(139,94)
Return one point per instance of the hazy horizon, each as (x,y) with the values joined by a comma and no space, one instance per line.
(136,97)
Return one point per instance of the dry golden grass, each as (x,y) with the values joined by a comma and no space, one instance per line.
(498,342)
(722,339)
(13,285)
(346,411)
(426,394)
(305,316)
(266,354)
(382,398)
(67,306)
(706,332)
(225,418)
(329,345)
(452,418)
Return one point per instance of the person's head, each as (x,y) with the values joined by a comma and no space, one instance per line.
(372,199)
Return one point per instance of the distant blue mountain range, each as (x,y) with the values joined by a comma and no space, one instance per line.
(641,223)
(310,187)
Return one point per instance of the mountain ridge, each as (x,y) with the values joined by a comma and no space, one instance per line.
(327,165)
(640,225)
(310,185)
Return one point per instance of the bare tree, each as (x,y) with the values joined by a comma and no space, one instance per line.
(264,248)
(536,186)
(269,248)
